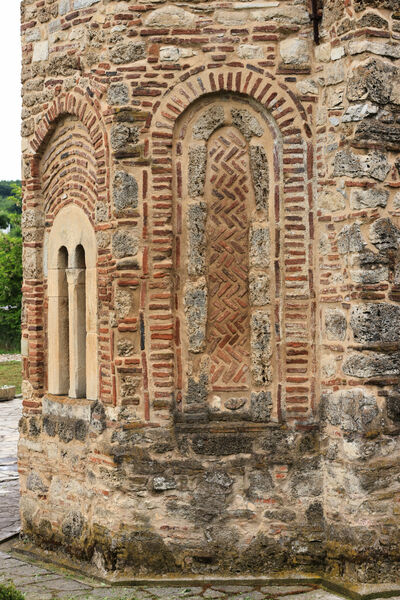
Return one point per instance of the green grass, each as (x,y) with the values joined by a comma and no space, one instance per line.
(10,374)
(8,592)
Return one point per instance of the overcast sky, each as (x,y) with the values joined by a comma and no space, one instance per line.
(10,98)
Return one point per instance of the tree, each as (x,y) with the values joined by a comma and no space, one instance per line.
(11,276)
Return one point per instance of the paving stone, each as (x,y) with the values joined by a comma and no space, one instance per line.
(282,590)
(314,595)
(210,593)
(233,589)
(173,592)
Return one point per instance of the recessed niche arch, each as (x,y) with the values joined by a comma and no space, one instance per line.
(73,366)
(227,160)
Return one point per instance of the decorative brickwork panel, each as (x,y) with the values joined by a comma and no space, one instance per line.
(228,331)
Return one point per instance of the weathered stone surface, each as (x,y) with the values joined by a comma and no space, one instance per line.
(375,322)
(125,347)
(125,191)
(294,51)
(372,81)
(335,324)
(259,247)
(351,410)
(160,483)
(35,483)
(40,51)
(209,121)
(170,16)
(350,239)
(250,51)
(259,289)
(358,112)
(127,53)
(374,165)
(247,124)
(380,48)
(372,365)
(384,234)
(372,130)
(63,65)
(173,53)
(260,347)
(260,173)
(261,406)
(330,200)
(196,314)
(124,244)
(118,94)
(122,136)
(369,198)
(197,215)
(197,170)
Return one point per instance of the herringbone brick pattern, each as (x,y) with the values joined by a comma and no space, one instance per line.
(228,333)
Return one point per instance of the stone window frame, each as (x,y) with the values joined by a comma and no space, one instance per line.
(72,229)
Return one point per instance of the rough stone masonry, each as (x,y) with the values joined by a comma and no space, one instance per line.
(211,314)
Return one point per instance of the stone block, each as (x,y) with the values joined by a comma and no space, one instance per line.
(77,4)
(378,322)
(170,16)
(384,234)
(40,51)
(372,365)
(369,198)
(260,174)
(294,51)
(335,324)
(259,289)
(196,220)
(195,303)
(261,406)
(388,135)
(126,53)
(330,200)
(197,170)
(351,410)
(208,122)
(374,165)
(250,51)
(260,347)
(247,124)
(124,244)
(125,191)
(118,94)
(259,247)
(350,240)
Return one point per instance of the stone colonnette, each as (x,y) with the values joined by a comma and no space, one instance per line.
(211,317)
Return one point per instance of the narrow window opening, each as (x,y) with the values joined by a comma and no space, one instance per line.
(77,324)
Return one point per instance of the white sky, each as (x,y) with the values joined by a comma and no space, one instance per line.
(10,97)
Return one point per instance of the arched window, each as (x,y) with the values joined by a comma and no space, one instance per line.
(72,317)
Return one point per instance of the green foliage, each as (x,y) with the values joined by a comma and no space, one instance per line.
(8,592)
(10,267)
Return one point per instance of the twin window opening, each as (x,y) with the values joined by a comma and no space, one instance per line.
(72,328)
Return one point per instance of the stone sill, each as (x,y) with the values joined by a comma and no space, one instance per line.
(66,407)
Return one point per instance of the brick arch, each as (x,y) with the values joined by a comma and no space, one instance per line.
(252,82)
(87,184)
(292,199)
(95,182)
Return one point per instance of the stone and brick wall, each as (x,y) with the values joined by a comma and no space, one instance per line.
(241,185)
